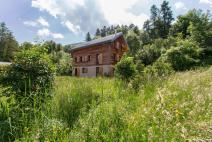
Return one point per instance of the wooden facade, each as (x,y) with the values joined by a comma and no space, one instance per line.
(99,58)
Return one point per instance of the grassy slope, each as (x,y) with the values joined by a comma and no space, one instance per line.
(104,110)
(82,109)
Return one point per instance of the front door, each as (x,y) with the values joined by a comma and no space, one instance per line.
(76,72)
(97,71)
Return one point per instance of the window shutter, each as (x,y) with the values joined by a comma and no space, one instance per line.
(100,58)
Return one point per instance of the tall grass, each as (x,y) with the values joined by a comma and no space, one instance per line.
(95,109)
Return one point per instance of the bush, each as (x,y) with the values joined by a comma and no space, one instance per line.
(184,56)
(3,70)
(158,69)
(149,54)
(125,69)
(64,63)
(31,71)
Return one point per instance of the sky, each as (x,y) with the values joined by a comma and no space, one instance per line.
(68,21)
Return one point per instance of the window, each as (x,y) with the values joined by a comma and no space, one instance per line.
(89,58)
(97,59)
(75,59)
(80,59)
(84,70)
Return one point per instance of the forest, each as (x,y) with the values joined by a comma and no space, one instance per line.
(161,90)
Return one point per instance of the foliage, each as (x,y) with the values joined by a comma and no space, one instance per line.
(125,69)
(31,71)
(8,43)
(148,54)
(159,24)
(184,56)
(88,37)
(158,69)
(194,24)
(64,67)
(133,42)
(60,58)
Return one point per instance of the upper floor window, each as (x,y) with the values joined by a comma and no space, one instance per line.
(89,58)
(99,59)
(75,59)
(81,59)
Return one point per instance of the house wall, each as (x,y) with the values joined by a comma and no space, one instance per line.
(107,70)
(110,53)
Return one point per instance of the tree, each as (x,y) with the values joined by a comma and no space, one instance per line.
(125,69)
(133,42)
(88,37)
(184,56)
(97,32)
(104,31)
(31,71)
(136,30)
(148,54)
(8,43)
(166,17)
(196,25)
(155,22)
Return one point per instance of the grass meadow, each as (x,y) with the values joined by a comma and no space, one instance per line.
(176,108)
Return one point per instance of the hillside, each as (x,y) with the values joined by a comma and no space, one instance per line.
(83,109)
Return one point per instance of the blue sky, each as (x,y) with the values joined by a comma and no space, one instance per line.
(67,21)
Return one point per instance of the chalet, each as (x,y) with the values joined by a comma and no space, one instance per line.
(98,57)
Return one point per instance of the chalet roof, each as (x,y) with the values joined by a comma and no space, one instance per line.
(103,40)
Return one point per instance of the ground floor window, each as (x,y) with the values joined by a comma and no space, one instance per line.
(84,70)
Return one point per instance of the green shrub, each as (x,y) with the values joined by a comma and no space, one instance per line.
(184,56)
(158,69)
(3,70)
(64,63)
(149,54)
(31,71)
(125,69)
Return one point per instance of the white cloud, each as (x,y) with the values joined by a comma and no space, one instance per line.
(57,36)
(206,2)
(73,28)
(43,32)
(43,22)
(40,21)
(30,23)
(117,12)
(48,5)
(56,8)
(81,16)
(47,33)
(180,5)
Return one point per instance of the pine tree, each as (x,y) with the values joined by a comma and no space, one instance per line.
(166,17)
(104,31)
(8,44)
(155,22)
(98,32)
(88,37)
